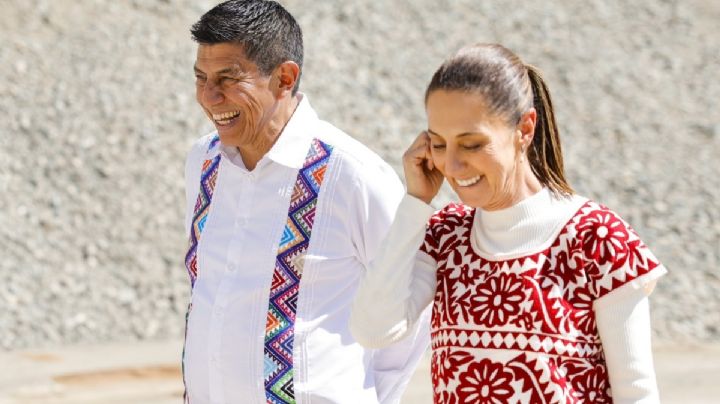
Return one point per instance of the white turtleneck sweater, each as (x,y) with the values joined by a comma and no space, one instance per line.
(400,284)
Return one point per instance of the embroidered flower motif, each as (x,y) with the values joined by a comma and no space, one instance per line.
(592,386)
(497,299)
(604,236)
(446,364)
(485,382)
(582,314)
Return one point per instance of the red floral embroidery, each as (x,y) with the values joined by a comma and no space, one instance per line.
(533,383)
(592,386)
(567,265)
(445,397)
(497,299)
(447,363)
(539,305)
(485,382)
(445,229)
(582,314)
(524,320)
(604,236)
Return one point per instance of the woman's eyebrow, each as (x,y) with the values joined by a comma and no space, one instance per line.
(460,135)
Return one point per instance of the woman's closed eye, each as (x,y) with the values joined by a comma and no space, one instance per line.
(471,147)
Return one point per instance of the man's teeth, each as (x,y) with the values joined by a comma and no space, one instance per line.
(225,116)
(467,182)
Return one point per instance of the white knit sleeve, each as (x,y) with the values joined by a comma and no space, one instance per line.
(399,283)
(623,321)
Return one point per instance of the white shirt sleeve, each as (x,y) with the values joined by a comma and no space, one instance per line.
(379,191)
(623,322)
(399,283)
(394,365)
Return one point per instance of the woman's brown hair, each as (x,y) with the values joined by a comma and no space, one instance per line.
(510,88)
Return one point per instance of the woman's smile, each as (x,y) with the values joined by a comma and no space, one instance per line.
(468,182)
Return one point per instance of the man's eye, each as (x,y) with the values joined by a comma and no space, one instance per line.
(199,78)
(438,146)
(472,147)
(228,80)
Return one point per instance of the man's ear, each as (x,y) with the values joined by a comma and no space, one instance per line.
(287,75)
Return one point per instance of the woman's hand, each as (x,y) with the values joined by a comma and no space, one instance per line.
(422,178)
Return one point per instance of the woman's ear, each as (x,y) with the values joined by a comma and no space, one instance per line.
(526,128)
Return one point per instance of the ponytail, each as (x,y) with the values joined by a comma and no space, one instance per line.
(545,154)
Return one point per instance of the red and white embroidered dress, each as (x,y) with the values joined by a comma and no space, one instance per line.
(518,327)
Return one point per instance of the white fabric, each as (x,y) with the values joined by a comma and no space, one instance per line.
(529,226)
(236,256)
(401,282)
(623,322)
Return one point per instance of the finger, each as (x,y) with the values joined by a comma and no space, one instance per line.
(421,140)
(428,156)
(417,151)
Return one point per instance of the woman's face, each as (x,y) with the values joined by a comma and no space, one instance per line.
(478,152)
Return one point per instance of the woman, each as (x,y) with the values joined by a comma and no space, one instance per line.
(539,295)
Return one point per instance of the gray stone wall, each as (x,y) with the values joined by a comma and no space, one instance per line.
(97,112)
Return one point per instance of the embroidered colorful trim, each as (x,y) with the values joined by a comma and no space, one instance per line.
(202,207)
(208,177)
(280,325)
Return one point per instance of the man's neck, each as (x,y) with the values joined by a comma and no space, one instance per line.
(252,155)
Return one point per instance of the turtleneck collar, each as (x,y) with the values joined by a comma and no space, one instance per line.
(524,228)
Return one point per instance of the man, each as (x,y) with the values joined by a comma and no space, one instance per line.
(284,212)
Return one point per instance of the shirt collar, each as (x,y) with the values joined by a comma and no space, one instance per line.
(291,147)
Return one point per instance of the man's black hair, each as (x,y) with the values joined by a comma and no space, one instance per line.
(268,33)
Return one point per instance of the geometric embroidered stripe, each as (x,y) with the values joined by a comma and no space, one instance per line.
(284,288)
(208,178)
(521,341)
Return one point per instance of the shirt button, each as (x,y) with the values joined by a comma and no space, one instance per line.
(232,268)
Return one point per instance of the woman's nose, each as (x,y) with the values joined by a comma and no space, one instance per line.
(454,164)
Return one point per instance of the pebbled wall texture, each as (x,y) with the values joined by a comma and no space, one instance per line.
(97,112)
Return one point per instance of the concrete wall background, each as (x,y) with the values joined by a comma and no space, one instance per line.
(97,112)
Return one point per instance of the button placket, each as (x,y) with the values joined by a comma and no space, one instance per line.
(245,198)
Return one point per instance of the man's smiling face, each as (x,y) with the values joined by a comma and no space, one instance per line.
(234,93)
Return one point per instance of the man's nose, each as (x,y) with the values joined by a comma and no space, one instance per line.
(211,94)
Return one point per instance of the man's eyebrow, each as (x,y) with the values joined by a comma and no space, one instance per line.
(233,70)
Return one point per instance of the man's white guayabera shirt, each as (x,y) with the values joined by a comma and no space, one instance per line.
(226,356)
